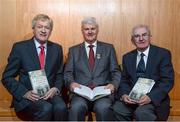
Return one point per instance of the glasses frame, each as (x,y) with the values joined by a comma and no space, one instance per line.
(144,36)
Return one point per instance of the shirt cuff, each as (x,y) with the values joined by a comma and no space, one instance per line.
(57,91)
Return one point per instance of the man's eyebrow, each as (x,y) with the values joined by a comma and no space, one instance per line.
(141,34)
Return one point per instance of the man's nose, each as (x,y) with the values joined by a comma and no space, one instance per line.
(141,37)
(43,29)
(89,31)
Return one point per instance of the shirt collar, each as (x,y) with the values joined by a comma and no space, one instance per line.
(146,52)
(87,44)
(37,44)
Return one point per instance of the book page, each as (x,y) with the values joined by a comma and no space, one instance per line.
(84,91)
(100,90)
(39,82)
(142,87)
(96,93)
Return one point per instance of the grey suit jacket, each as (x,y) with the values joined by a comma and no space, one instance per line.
(105,70)
(24,58)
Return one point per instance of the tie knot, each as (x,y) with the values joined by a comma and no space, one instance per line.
(42,47)
(142,55)
(91,46)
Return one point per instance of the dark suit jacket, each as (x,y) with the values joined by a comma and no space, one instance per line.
(105,70)
(24,58)
(159,67)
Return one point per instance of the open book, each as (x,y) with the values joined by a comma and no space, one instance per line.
(96,93)
(142,87)
(39,82)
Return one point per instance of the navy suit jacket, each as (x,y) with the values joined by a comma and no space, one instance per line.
(105,70)
(159,68)
(24,58)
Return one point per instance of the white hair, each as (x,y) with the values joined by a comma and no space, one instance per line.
(89,20)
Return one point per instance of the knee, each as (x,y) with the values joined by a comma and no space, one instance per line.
(103,112)
(46,108)
(138,114)
(78,107)
(102,109)
(60,107)
(142,115)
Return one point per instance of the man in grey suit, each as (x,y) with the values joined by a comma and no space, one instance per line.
(151,62)
(84,69)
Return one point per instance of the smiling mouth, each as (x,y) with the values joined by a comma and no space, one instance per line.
(141,42)
(44,35)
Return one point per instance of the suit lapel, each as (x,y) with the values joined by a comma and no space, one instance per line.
(98,55)
(31,48)
(133,65)
(151,59)
(49,58)
(84,57)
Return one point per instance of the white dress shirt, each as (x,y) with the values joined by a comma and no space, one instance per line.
(146,53)
(94,48)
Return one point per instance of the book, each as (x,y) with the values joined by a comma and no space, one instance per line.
(142,87)
(39,82)
(92,94)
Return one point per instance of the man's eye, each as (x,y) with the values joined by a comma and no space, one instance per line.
(145,34)
(48,28)
(86,29)
(39,26)
(136,36)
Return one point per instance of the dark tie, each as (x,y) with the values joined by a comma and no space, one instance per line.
(141,67)
(91,57)
(42,56)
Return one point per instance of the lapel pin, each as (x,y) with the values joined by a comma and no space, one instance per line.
(98,56)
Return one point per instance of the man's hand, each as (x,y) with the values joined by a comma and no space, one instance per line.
(144,100)
(111,87)
(73,85)
(128,100)
(30,95)
(50,93)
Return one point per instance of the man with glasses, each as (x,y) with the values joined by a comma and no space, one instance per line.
(146,61)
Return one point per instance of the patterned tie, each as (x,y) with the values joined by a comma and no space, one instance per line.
(141,67)
(42,56)
(91,57)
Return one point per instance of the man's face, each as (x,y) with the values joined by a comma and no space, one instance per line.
(42,31)
(90,33)
(141,38)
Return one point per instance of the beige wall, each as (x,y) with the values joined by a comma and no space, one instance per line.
(115,17)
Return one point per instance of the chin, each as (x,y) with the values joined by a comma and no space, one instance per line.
(42,41)
(142,48)
(91,41)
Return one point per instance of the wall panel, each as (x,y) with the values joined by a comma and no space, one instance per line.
(116,19)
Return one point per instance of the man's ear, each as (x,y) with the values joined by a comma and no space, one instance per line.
(132,40)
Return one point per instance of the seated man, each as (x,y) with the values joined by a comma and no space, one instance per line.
(34,54)
(151,62)
(91,63)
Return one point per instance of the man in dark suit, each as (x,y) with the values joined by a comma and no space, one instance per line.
(91,63)
(28,56)
(155,64)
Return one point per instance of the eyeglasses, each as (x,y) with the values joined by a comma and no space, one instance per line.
(144,36)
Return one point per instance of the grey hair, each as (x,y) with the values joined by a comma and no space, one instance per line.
(89,20)
(140,26)
(42,17)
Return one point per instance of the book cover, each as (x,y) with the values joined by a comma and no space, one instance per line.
(92,94)
(142,87)
(39,82)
